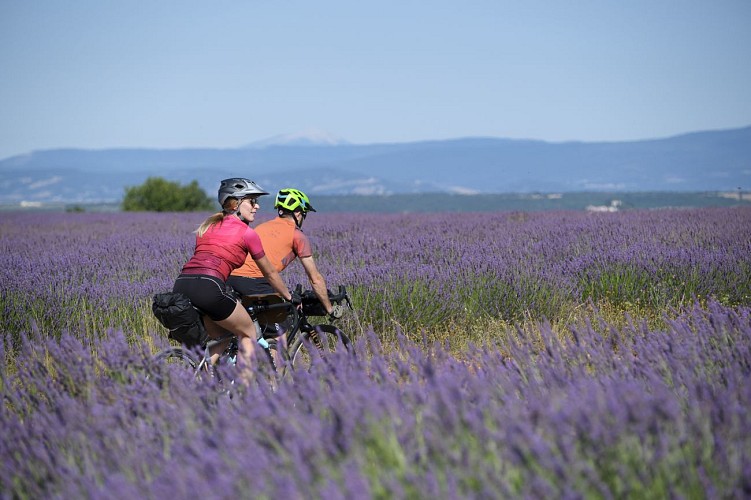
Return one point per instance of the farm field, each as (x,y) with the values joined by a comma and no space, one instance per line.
(505,354)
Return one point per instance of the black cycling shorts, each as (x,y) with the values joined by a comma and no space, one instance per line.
(208,293)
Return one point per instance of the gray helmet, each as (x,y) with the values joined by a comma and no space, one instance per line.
(237,187)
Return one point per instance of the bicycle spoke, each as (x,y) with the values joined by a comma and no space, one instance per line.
(323,339)
(174,362)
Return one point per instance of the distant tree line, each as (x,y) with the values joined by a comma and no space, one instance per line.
(160,195)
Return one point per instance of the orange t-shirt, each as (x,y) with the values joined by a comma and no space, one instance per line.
(282,242)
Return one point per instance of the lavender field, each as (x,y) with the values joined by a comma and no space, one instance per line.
(558,354)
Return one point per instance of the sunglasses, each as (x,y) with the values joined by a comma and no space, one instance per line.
(252,201)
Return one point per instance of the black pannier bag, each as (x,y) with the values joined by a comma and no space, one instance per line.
(176,313)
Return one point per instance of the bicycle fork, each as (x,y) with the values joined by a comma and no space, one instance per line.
(314,338)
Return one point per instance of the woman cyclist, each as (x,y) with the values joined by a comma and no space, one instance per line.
(223,241)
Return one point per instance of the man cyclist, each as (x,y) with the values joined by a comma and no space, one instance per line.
(284,241)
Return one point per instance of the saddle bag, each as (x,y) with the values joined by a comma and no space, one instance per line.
(176,313)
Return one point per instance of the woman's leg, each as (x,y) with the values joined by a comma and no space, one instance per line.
(240,324)
(216,332)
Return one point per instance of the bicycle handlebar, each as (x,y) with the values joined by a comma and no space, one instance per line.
(309,296)
(341,296)
(308,299)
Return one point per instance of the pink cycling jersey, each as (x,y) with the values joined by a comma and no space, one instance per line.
(224,247)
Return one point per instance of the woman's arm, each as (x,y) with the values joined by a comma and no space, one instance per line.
(271,274)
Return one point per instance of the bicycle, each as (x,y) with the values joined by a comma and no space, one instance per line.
(272,316)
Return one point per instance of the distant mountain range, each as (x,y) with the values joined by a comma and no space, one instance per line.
(321,164)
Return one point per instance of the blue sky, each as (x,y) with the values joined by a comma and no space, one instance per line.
(96,74)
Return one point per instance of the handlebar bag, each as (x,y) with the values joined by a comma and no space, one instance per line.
(311,306)
(176,313)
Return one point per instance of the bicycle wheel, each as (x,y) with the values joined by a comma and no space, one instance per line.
(323,338)
(175,361)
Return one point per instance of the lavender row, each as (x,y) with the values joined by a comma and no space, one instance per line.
(84,272)
(608,413)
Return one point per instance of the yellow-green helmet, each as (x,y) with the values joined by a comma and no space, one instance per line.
(293,199)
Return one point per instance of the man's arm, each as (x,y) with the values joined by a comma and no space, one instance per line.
(316,281)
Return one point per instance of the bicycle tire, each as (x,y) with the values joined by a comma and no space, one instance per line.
(325,338)
(173,360)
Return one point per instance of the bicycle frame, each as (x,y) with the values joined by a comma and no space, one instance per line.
(300,332)
(205,361)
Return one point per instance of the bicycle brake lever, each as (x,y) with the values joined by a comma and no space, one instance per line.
(343,292)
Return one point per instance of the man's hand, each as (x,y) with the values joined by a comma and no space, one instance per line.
(336,312)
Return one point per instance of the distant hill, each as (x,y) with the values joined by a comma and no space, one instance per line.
(700,161)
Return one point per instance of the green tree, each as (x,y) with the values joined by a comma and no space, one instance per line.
(160,195)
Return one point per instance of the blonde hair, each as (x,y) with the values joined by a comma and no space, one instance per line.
(229,207)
